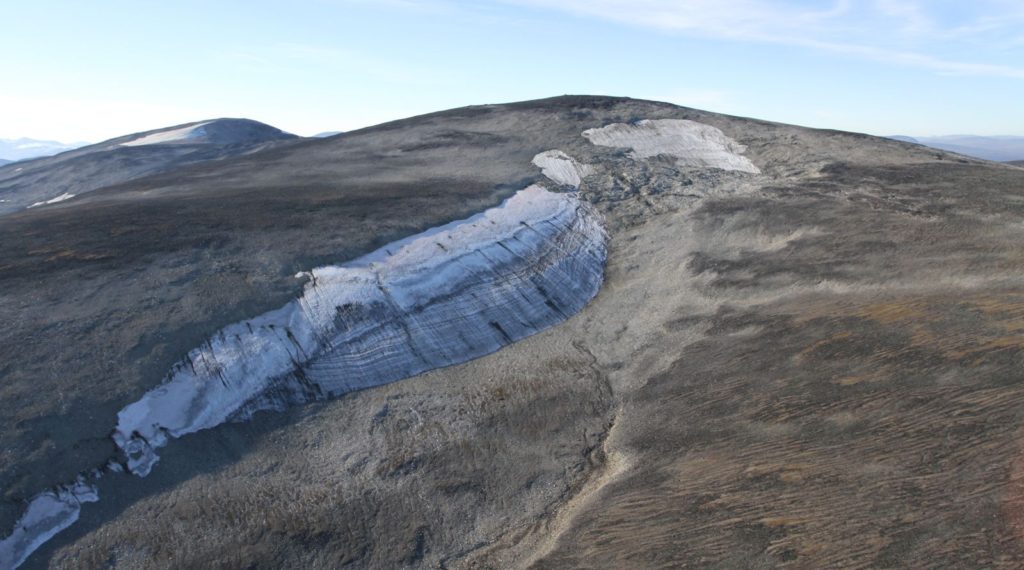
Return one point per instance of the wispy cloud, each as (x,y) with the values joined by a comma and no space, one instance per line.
(290,56)
(911,33)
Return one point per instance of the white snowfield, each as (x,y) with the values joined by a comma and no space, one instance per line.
(61,198)
(175,135)
(562,168)
(691,143)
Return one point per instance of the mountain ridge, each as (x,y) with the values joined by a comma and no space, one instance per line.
(994,148)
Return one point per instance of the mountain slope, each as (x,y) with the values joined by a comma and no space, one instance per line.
(805,351)
(34,183)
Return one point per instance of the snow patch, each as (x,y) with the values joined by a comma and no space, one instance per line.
(691,143)
(61,198)
(562,168)
(175,135)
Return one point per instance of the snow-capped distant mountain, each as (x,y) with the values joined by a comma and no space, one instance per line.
(23,148)
(999,149)
(326,134)
(3,162)
(52,179)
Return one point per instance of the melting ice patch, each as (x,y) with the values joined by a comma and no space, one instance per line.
(174,135)
(434,300)
(562,168)
(47,514)
(691,143)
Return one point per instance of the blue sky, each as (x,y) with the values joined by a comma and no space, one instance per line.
(93,70)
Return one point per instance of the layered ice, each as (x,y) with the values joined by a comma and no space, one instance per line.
(691,143)
(561,168)
(173,135)
(440,298)
(47,514)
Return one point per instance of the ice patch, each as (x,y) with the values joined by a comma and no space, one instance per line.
(562,168)
(182,134)
(61,198)
(437,299)
(47,514)
(691,143)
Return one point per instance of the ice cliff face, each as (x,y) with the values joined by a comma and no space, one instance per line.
(440,298)
(692,144)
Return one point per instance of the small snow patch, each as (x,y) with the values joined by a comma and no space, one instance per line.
(562,168)
(61,198)
(182,134)
(693,144)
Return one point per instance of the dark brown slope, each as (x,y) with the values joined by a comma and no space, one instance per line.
(818,367)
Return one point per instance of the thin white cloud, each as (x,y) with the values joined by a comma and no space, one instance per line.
(900,32)
(282,57)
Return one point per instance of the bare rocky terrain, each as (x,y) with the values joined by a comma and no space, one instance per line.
(812,363)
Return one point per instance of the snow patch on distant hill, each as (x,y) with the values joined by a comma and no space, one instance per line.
(174,135)
(691,143)
(61,198)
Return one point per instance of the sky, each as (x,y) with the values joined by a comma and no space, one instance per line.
(89,71)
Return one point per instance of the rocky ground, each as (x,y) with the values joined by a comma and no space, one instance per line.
(814,366)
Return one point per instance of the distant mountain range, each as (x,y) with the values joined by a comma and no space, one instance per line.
(326,134)
(23,148)
(52,179)
(999,149)
(3,162)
